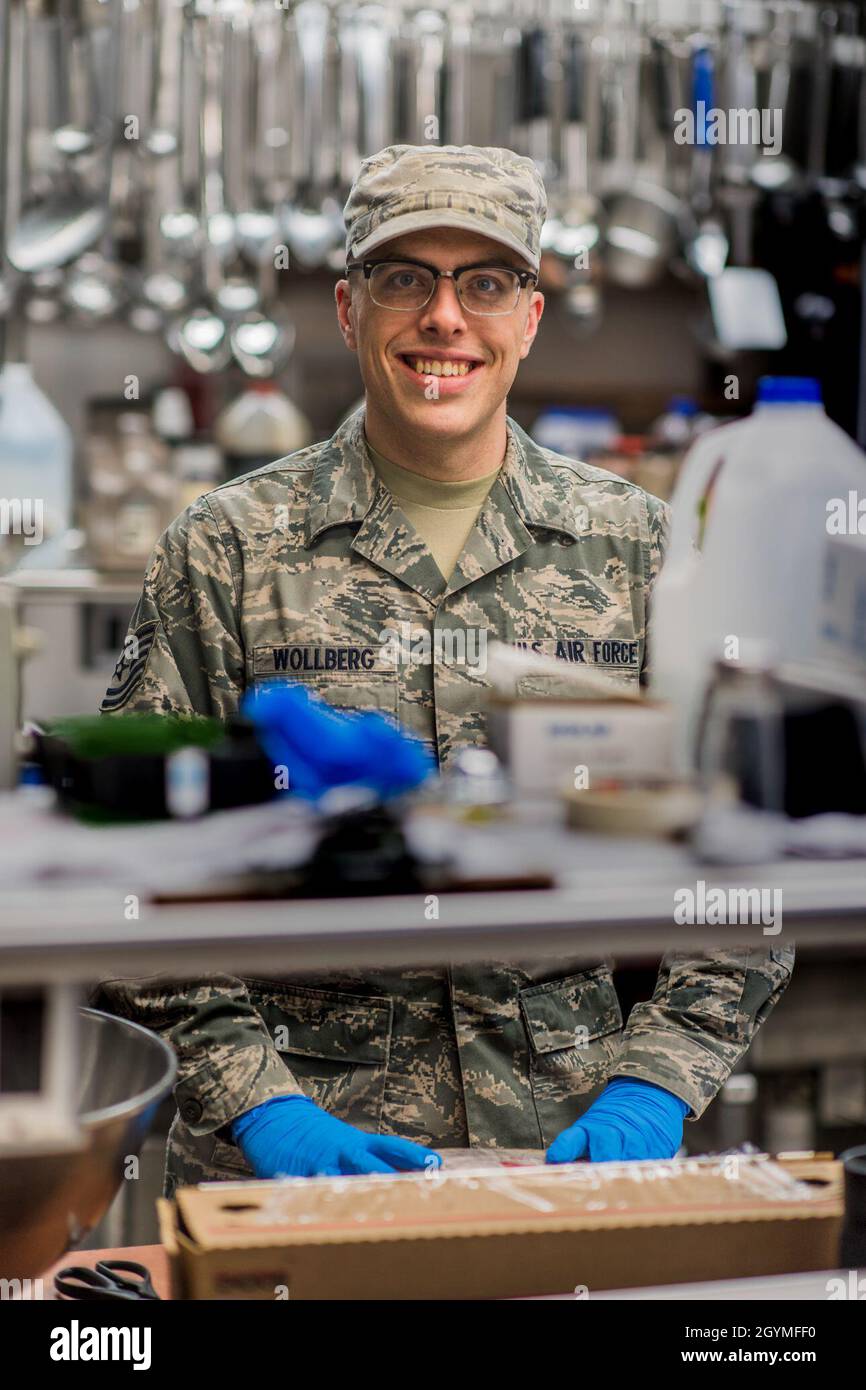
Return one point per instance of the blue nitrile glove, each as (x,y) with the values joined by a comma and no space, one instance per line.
(630,1119)
(291,1136)
(321,747)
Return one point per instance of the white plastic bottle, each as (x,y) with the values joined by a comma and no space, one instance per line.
(755,555)
(676,426)
(260,426)
(671,638)
(36,452)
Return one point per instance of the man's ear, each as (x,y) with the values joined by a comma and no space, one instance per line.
(345,314)
(533,318)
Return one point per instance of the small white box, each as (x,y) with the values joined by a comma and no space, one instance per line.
(842,604)
(550,746)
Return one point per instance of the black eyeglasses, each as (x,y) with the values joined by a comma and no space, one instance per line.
(408,285)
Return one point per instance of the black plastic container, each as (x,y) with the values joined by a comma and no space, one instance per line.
(852,1246)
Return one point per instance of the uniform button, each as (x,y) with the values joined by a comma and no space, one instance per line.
(191,1111)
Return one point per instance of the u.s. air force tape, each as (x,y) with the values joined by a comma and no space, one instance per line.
(130,667)
(596,651)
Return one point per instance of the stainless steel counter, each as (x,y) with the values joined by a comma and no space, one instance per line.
(617,898)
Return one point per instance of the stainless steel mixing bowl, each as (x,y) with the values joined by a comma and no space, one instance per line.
(49,1202)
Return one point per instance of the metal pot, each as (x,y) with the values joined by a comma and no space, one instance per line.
(49,1201)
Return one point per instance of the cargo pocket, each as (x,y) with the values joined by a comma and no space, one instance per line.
(373,692)
(574,1027)
(335,1045)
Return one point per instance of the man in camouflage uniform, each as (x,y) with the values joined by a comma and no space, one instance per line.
(299,571)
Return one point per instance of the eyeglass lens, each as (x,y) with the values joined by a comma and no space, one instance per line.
(482,290)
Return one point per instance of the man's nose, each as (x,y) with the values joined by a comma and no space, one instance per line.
(443,312)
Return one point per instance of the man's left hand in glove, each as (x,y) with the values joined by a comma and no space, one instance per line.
(630,1119)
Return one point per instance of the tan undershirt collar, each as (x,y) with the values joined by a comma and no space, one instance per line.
(430,492)
(442,513)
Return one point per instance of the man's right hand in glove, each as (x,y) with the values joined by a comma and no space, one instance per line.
(291,1136)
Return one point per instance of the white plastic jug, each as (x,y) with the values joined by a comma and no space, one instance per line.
(35,467)
(765,550)
(258,427)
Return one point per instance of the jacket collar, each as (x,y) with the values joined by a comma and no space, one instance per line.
(528,493)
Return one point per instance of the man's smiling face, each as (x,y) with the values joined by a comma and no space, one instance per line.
(442,402)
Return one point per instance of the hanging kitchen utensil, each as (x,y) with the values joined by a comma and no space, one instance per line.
(349,152)
(845,80)
(256,224)
(533,124)
(467,30)
(179,183)
(82,52)
(373,31)
(829,171)
(745,304)
(668,64)
(643,217)
(52,228)
(312,220)
(574,230)
(271,81)
(798,25)
(738,194)
(368,101)
(707,246)
(201,337)
(162,289)
(129,123)
(860,164)
(238,293)
(772,171)
(98,284)
(480,68)
(580,215)
(262,339)
(7,278)
(423,74)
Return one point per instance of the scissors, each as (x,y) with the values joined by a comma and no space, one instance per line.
(105,1281)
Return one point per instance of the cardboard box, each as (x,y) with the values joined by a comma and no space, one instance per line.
(492,1233)
(542,741)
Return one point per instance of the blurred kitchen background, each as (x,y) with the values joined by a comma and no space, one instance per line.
(172,192)
(171,183)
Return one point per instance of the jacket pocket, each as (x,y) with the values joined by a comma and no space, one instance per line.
(574,1027)
(623,681)
(354,687)
(708,993)
(335,1045)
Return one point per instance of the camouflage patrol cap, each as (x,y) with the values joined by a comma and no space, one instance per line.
(408,188)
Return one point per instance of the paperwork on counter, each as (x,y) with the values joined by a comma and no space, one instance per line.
(40,848)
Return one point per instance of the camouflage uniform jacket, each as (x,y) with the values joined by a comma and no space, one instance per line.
(295,571)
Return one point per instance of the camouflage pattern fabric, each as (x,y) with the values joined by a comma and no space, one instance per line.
(298,571)
(407,188)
